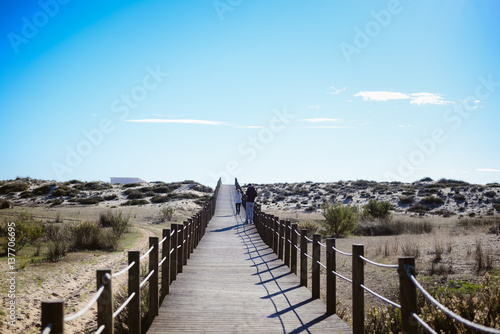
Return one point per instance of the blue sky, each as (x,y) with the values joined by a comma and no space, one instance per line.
(266,91)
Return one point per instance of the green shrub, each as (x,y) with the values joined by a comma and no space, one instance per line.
(490,194)
(459,198)
(406,199)
(5,204)
(43,190)
(63,191)
(308,225)
(56,250)
(202,188)
(56,201)
(340,219)
(13,187)
(135,202)
(201,201)
(117,222)
(90,200)
(377,210)
(27,231)
(167,213)
(110,197)
(133,193)
(432,200)
(160,199)
(131,185)
(86,235)
(419,208)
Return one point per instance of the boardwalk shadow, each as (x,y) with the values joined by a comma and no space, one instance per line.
(229,228)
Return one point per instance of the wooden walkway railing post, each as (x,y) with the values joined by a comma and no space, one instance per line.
(293,249)
(281,247)
(185,242)
(331,279)
(316,255)
(358,294)
(134,307)
(407,295)
(53,315)
(105,301)
(165,267)
(180,251)
(173,256)
(287,243)
(303,257)
(276,228)
(153,281)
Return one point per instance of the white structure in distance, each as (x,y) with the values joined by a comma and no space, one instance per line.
(126,180)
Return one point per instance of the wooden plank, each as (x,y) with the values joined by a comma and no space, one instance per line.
(234,283)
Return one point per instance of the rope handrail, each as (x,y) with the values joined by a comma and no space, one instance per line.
(344,278)
(100,329)
(297,247)
(147,253)
(322,245)
(172,233)
(308,256)
(161,262)
(124,270)
(378,264)
(341,252)
(423,323)
(172,250)
(162,241)
(87,307)
(47,329)
(388,301)
(321,264)
(297,232)
(310,240)
(446,311)
(147,278)
(125,303)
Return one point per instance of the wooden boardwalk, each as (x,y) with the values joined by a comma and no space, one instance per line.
(234,283)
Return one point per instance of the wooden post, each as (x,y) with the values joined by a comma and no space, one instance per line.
(134,307)
(331,279)
(53,315)
(281,237)
(185,243)
(316,255)
(276,228)
(173,256)
(105,301)
(407,295)
(358,295)
(303,257)
(287,243)
(153,280)
(180,247)
(293,249)
(165,267)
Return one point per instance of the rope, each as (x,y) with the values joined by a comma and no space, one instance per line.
(99,331)
(147,278)
(172,233)
(172,250)
(378,264)
(297,247)
(47,329)
(423,323)
(321,264)
(340,252)
(124,270)
(125,303)
(162,241)
(310,240)
(87,307)
(344,278)
(390,302)
(319,243)
(161,262)
(446,310)
(149,251)
(308,256)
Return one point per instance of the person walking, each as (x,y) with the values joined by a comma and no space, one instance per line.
(251,195)
(237,201)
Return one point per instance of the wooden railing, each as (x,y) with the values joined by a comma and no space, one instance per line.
(177,244)
(291,245)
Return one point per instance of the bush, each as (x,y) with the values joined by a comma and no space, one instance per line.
(459,198)
(90,200)
(201,201)
(432,200)
(167,213)
(406,199)
(340,219)
(160,199)
(13,187)
(43,190)
(27,231)
(377,210)
(419,208)
(135,202)
(490,194)
(311,227)
(117,222)
(63,191)
(56,250)
(134,194)
(5,204)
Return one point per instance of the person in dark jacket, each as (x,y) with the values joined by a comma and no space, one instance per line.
(251,195)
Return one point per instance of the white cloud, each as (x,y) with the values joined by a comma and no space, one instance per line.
(320,120)
(489,170)
(415,98)
(177,121)
(381,96)
(427,98)
(336,91)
